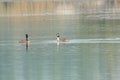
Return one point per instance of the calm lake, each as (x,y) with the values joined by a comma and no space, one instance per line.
(93,52)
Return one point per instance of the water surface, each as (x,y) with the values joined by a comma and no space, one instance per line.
(91,54)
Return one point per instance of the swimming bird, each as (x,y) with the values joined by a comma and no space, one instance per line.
(61,39)
(25,41)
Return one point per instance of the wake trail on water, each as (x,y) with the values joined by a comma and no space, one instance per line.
(107,40)
(71,41)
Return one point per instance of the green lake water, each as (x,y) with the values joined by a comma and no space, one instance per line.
(93,52)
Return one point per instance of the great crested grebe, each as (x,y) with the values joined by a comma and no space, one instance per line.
(61,40)
(25,41)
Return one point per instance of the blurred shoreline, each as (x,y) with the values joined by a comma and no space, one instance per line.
(90,9)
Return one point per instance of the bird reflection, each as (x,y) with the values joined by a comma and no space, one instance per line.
(26,46)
